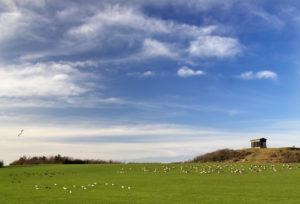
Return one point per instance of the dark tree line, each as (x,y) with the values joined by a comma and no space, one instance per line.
(58,159)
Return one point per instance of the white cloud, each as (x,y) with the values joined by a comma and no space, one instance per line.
(148,74)
(187,72)
(41,80)
(52,84)
(264,74)
(154,48)
(214,46)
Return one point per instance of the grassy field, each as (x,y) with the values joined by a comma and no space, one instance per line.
(151,183)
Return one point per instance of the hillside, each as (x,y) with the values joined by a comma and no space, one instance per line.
(267,155)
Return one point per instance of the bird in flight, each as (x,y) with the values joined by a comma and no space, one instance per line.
(20,133)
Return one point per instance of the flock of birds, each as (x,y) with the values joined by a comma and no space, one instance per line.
(72,188)
(159,169)
(214,168)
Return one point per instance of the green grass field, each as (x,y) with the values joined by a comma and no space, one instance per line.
(151,183)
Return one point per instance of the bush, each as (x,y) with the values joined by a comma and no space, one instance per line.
(1,164)
(58,159)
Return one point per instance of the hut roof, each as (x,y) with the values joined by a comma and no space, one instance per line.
(259,140)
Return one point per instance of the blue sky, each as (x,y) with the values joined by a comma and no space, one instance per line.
(147,80)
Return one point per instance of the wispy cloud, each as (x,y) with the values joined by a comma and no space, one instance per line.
(270,19)
(215,46)
(188,72)
(144,74)
(264,74)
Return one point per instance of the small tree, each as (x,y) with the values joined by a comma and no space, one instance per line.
(1,163)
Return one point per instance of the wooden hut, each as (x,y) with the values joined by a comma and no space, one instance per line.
(259,143)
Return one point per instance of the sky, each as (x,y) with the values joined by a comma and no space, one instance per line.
(147,80)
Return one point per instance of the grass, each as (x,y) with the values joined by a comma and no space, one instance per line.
(151,183)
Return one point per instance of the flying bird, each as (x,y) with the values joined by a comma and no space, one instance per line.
(20,133)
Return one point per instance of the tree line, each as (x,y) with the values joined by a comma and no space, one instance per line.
(58,159)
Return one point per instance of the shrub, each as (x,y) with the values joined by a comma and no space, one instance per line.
(1,164)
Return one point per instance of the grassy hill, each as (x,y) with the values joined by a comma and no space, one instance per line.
(266,155)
